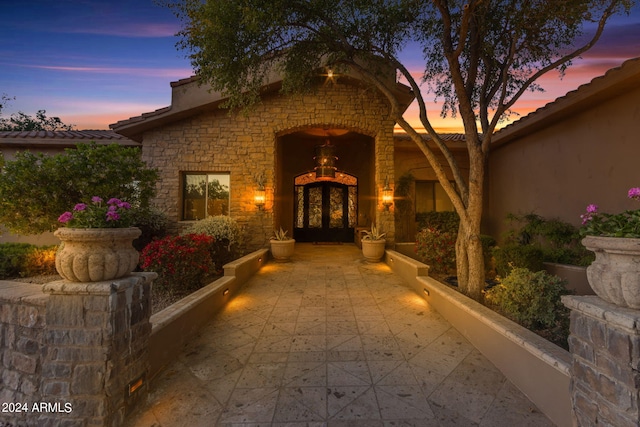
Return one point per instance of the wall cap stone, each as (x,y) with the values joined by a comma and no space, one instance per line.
(63,287)
(627,319)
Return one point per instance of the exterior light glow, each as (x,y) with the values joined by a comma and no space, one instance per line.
(387,195)
(325,162)
(259,197)
(135,385)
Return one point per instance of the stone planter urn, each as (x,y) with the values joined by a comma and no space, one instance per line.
(282,250)
(96,254)
(615,273)
(373,250)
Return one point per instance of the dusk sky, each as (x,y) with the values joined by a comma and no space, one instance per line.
(92,63)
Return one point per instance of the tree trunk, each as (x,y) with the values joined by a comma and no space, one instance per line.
(469,256)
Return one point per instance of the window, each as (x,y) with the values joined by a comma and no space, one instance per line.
(430,196)
(205,194)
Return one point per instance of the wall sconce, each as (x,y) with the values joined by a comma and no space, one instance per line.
(387,195)
(260,197)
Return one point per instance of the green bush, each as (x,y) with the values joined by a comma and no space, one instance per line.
(227,234)
(517,256)
(183,263)
(153,224)
(437,249)
(36,188)
(442,221)
(559,241)
(24,260)
(531,299)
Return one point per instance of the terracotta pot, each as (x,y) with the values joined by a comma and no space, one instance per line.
(373,250)
(282,250)
(615,274)
(96,254)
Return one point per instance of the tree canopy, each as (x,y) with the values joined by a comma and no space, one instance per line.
(24,122)
(479,57)
(35,188)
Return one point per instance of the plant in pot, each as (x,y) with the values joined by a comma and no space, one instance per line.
(281,246)
(97,242)
(615,239)
(373,244)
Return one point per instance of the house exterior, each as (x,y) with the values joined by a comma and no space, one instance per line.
(583,148)
(262,167)
(322,158)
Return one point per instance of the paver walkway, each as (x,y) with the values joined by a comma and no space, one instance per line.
(329,340)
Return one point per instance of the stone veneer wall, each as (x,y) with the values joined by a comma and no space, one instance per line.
(245,145)
(605,371)
(70,350)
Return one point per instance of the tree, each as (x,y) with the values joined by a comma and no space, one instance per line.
(480,57)
(23,122)
(35,188)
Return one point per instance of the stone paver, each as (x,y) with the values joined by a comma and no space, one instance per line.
(330,340)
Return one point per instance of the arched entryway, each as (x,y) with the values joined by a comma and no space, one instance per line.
(325,210)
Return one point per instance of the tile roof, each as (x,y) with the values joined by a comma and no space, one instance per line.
(613,82)
(65,138)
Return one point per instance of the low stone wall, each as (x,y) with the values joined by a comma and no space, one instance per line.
(540,369)
(71,351)
(176,324)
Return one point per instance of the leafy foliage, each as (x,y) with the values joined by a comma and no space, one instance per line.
(512,256)
(36,188)
(23,260)
(623,224)
(559,241)
(437,249)
(182,262)
(531,299)
(23,122)
(228,237)
(443,221)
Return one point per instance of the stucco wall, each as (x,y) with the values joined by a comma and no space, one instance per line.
(245,145)
(589,157)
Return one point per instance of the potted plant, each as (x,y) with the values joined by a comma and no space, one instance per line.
(281,246)
(97,241)
(615,239)
(373,244)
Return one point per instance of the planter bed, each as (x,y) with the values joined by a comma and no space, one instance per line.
(537,367)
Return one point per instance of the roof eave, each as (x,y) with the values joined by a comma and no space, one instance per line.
(612,83)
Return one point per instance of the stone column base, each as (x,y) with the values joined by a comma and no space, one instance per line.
(605,347)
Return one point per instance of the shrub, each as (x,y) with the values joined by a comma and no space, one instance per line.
(517,256)
(530,298)
(153,224)
(442,221)
(437,249)
(24,259)
(227,234)
(36,188)
(182,262)
(559,241)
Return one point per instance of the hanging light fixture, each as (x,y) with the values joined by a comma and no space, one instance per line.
(325,162)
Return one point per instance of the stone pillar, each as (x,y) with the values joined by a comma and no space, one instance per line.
(605,347)
(96,340)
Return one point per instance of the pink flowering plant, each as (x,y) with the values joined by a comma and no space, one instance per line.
(115,213)
(624,224)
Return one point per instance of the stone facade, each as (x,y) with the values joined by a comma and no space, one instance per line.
(69,354)
(244,145)
(605,377)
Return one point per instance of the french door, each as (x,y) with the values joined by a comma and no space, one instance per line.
(325,212)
